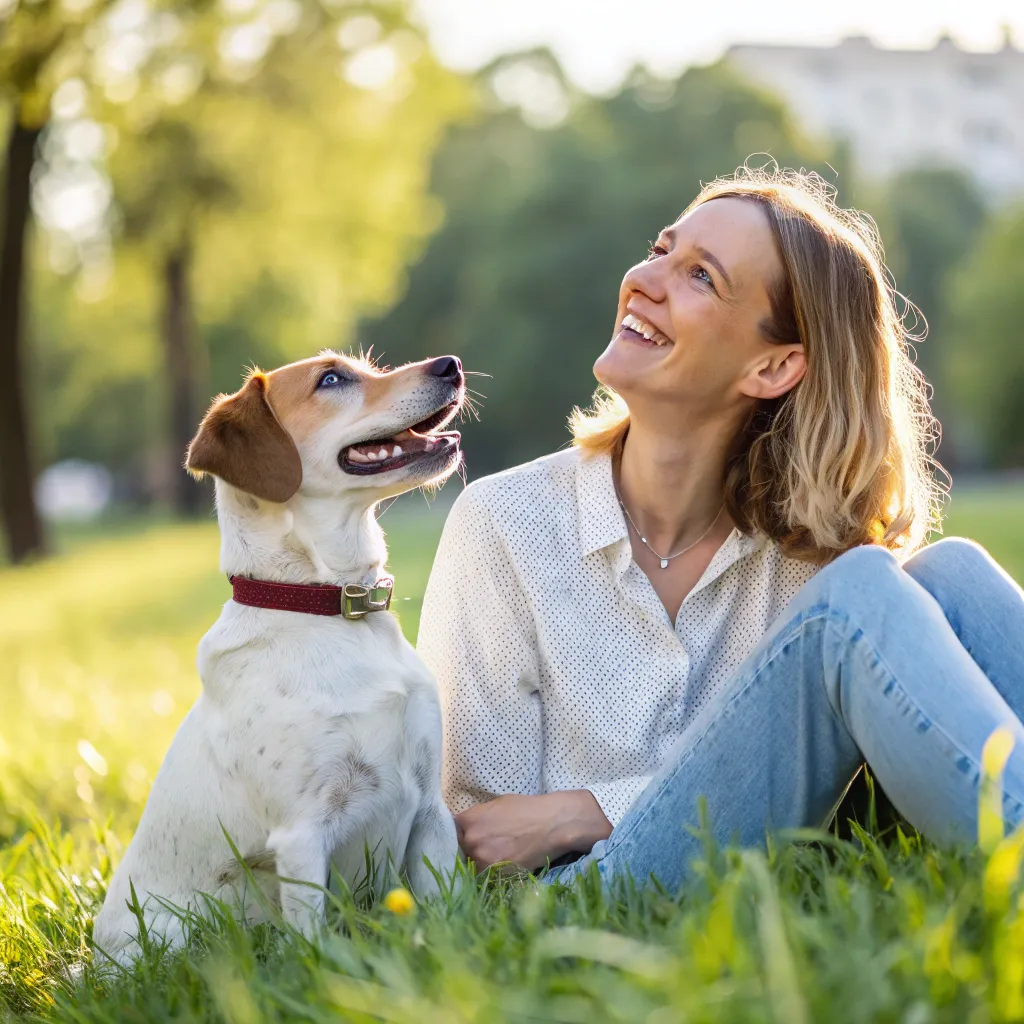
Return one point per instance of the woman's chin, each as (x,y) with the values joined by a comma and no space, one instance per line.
(626,363)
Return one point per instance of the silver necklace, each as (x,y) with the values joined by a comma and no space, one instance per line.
(665,559)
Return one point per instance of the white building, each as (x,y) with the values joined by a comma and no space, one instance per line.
(905,108)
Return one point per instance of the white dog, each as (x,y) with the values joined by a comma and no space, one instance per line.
(318,731)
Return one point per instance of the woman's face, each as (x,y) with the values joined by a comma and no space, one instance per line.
(700,297)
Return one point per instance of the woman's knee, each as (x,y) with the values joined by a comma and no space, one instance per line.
(858,576)
(951,561)
(864,565)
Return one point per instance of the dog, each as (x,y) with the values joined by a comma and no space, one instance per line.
(317,734)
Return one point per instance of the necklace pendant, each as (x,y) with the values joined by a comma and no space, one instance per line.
(664,563)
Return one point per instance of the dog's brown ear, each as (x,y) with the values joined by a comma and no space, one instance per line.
(241,441)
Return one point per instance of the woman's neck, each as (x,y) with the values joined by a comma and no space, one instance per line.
(673,485)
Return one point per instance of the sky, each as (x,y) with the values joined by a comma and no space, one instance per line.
(597,41)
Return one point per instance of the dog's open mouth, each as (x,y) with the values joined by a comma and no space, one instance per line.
(415,443)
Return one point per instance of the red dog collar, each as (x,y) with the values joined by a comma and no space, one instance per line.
(353,600)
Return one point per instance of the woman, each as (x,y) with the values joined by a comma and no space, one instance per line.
(712,593)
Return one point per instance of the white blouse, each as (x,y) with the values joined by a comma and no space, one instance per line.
(559,667)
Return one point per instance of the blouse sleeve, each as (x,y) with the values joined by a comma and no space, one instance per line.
(476,636)
(616,796)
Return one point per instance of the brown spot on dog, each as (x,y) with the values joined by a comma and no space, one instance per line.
(354,780)
(338,798)
(425,767)
(369,774)
(262,861)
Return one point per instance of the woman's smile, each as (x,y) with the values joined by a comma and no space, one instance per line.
(639,331)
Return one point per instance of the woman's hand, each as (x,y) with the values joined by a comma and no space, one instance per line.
(530,830)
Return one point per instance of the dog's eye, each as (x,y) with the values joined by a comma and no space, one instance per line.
(331,379)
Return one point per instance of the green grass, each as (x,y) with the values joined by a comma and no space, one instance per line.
(97,652)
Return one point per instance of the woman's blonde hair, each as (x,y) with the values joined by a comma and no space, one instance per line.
(844,458)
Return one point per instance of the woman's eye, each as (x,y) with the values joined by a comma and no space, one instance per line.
(655,250)
(329,380)
(702,275)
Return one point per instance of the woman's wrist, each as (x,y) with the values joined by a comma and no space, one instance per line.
(578,821)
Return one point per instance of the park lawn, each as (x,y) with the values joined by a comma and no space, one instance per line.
(97,651)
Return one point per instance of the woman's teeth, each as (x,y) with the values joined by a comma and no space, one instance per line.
(649,332)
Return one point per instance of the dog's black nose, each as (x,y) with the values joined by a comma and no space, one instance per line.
(446,367)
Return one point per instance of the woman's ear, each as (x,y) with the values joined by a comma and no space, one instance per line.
(241,441)
(781,372)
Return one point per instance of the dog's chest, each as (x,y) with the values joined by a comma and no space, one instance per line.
(320,730)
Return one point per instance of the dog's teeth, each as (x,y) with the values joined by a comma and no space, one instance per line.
(396,451)
(356,456)
(382,454)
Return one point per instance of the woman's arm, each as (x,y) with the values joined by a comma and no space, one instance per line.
(531,830)
(476,636)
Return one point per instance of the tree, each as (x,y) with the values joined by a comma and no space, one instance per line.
(43,43)
(260,205)
(37,41)
(984,359)
(522,279)
(930,219)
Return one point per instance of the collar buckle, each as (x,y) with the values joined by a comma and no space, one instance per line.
(357,600)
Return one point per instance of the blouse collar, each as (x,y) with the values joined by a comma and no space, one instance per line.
(599,516)
(602,524)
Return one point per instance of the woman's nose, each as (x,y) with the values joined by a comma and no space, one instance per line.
(647,278)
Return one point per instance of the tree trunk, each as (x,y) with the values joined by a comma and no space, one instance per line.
(24,528)
(180,354)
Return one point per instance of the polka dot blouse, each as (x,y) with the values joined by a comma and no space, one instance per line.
(559,667)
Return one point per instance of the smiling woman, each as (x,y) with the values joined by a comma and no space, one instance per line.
(712,593)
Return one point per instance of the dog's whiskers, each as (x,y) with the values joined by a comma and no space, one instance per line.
(469,407)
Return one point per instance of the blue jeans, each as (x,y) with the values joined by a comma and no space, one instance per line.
(907,668)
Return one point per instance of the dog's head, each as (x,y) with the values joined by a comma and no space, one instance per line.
(331,424)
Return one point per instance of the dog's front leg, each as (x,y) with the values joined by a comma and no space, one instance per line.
(432,840)
(433,837)
(303,864)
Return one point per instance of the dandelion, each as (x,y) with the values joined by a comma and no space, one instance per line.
(400,902)
(994,756)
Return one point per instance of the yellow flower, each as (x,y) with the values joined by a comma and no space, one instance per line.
(994,756)
(996,751)
(400,901)
(1002,872)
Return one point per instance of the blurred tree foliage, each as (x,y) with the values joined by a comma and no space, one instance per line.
(984,368)
(261,205)
(41,43)
(930,219)
(522,280)
(269,175)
